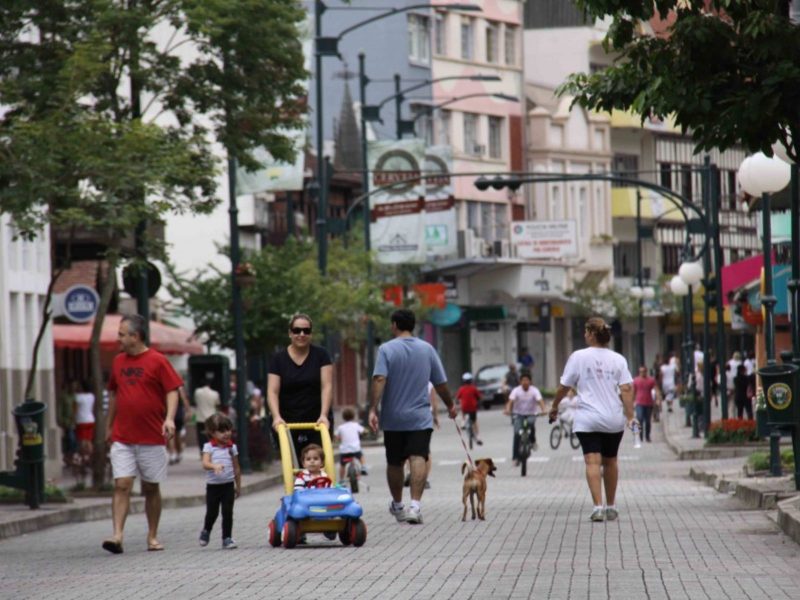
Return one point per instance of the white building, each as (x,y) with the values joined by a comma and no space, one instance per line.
(24,278)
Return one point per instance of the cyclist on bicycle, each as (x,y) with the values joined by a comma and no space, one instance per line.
(469,396)
(349,436)
(525,400)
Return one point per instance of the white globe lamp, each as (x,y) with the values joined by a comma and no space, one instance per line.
(648,293)
(764,175)
(636,291)
(678,286)
(691,273)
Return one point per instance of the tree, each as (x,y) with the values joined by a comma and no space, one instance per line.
(725,70)
(112,110)
(287,281)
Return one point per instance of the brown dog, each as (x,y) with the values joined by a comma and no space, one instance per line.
(475,485)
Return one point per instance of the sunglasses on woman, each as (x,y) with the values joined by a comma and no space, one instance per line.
(299,330)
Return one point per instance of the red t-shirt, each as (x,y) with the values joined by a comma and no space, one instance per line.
(469,396)
(643,390)
(141,384)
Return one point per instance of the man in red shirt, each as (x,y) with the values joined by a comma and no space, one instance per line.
(643,386)
(141,418)
(469,396)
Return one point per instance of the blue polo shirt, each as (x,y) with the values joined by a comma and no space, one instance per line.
(408,363)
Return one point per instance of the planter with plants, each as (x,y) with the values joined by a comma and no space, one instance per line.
(732,431)
(758,463)
(52,494)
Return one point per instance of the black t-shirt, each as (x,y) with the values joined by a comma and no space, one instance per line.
(300,395)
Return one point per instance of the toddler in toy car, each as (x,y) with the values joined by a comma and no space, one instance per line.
(312,458)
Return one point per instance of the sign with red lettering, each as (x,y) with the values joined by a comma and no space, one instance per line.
(544,239)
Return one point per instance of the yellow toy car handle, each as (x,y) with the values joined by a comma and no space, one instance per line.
(286,451)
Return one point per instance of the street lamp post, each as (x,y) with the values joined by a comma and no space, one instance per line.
(761,176)
(639,275)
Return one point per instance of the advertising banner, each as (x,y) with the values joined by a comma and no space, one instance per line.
(440,206)
(397,228)
(544,239)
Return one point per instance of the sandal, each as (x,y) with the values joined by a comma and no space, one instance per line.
(154,546)
(112,546)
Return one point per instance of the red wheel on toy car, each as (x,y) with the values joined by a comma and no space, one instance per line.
(358,532)
(274,535)
(289,534)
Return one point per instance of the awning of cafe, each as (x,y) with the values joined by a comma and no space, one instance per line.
(164,338)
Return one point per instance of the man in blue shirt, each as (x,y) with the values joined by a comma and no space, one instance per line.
(403,369)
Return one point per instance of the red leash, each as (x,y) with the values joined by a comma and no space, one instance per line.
(463,443)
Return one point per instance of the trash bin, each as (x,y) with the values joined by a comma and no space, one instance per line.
(30,426)
(780,388)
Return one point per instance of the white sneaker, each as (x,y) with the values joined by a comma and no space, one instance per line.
(414,516)
(612,514)
(598,514)
(398,513)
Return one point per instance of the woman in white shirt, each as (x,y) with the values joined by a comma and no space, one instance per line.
(84,420)
(605,391)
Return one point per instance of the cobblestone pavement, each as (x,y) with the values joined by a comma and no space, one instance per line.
(675,539)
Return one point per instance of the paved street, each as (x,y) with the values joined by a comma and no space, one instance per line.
(675,539)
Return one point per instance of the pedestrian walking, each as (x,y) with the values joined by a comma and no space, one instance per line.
(743,392)
(403,368)
(669,372)
(604,385)
(206,403)
(65,417)
(223,478)
(644,390)
(143,399)
(84,428)
(300,384)
(183,412)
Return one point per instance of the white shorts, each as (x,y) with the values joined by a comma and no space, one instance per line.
(148,461)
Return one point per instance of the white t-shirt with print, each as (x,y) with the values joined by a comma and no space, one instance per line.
(525,402)
(597,374)
(349,432)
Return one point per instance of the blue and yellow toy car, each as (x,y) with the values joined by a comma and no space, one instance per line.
(321,507)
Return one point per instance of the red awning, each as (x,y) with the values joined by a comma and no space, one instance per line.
(166,339)
(741,273)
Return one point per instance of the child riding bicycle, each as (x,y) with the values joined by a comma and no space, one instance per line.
(349,436)
(469,396)
(524,401)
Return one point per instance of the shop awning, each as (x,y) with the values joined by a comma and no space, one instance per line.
(166,339)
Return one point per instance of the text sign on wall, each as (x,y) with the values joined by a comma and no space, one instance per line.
(544,239)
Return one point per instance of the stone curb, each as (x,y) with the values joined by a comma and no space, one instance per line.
(789,517)
(96,512)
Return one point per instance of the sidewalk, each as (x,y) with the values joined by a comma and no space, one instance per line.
(185,486)
(723,469)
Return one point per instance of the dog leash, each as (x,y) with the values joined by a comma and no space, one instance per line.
(463,443)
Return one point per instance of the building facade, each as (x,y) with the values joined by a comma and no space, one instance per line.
(24,280)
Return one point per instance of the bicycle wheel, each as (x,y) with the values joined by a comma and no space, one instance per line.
(555,437)
(352,476)
(523,460)
(574,441)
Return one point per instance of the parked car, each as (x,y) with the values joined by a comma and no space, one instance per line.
(491,383)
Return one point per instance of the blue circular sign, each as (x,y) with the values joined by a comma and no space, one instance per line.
(81,303)
(444,317)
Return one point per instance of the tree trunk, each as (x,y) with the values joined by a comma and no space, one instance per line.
(47,313)
(98,385)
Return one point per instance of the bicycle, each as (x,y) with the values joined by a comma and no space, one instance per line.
(562,429)
(524,445)
(469,427)
(352,472)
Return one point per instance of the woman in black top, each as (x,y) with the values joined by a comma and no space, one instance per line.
(300,383)
(741,382)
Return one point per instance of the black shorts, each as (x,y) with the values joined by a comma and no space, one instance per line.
(343,458)
(402,444)
(597,442)
(472,416)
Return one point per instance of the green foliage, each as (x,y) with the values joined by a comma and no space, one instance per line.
(110,103)
(51,494)
(591,298)
(759,461)
(727,80)
(286,282)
